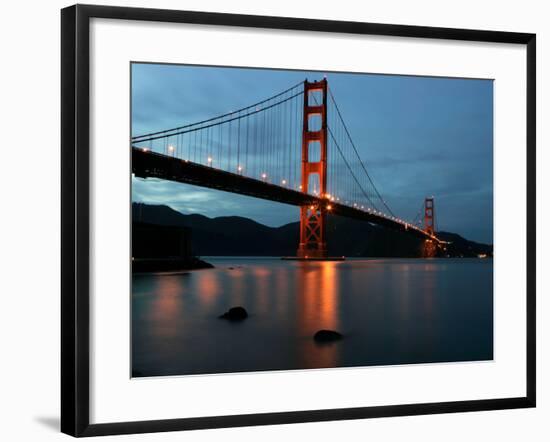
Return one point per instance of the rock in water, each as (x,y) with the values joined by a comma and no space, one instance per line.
(327,336)
(235,314)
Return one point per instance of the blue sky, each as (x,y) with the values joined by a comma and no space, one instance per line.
(418,136)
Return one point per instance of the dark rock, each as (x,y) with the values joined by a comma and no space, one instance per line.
(327,336)
(235,314)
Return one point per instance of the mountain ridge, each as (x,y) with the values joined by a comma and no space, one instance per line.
(240,236)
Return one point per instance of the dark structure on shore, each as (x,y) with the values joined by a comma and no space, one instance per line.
(162,248)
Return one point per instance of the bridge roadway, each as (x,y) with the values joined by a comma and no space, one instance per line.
(148,164)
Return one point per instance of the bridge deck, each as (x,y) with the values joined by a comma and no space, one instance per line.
(148,164)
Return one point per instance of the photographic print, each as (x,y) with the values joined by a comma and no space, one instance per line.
(291,220)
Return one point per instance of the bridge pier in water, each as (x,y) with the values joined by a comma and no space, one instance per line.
(313,216)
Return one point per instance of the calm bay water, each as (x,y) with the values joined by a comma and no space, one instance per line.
(391,311)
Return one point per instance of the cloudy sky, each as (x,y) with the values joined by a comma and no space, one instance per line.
(418,136)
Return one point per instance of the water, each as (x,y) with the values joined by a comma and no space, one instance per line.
(391,311)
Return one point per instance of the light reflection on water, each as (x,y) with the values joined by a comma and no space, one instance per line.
(391,311)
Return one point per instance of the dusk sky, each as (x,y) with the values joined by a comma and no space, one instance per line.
(418,137)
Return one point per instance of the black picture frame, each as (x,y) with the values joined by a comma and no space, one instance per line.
(75,211)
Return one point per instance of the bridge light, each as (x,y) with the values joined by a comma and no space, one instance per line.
(145,149)
(264,175)
(283,182)
(329,207)
(312,207)
(327,195)
(209,160)
(171,148)
(240,168)
(300,187)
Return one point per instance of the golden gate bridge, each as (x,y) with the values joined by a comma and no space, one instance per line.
(293,147)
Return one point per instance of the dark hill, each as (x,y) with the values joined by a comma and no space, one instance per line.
(239,236)
(460,246)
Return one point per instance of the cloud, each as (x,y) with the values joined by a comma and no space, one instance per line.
(189,199)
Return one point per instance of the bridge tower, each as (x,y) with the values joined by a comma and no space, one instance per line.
(429,216)
(313,216)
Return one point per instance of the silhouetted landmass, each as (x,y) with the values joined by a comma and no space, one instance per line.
(168,265)
(460,246)
(161,248)
(239,236)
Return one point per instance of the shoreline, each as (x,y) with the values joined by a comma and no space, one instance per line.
(154,265)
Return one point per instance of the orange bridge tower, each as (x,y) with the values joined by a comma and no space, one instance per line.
(314,163)
(429,216)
